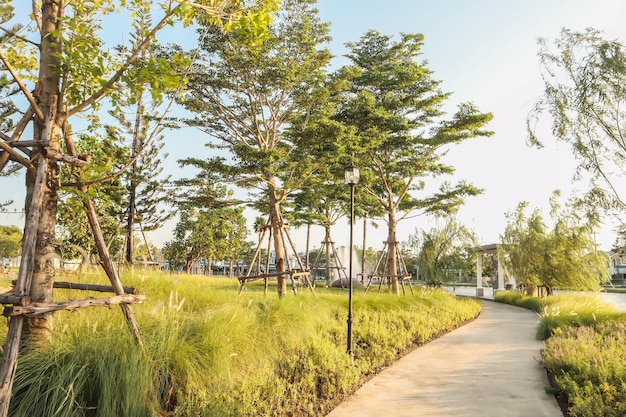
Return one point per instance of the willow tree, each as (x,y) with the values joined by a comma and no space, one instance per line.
(245,95)
(585,98)
(563,257)
(401,134)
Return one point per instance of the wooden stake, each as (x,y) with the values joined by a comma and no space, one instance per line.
(71,305)
(22,286)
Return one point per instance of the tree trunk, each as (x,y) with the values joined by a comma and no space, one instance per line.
(329,265)
(308,244)
(276,222)
(364,246)
(392,260)
(46,131)
(132,188)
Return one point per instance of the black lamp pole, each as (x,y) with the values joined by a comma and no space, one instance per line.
(351,178)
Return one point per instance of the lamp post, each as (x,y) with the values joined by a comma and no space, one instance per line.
(351,177)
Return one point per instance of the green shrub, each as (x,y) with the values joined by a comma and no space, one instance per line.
(589,368)
(520,300)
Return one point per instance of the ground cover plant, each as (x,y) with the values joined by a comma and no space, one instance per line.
(583,353)
(210,352)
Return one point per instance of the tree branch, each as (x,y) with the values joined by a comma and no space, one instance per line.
(109,84)
(19,82)
(10,152)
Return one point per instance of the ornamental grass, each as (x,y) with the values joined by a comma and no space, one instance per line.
(212,352)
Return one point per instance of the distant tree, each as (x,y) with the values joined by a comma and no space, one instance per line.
(208,235)
(443,249)
(10,242)
(565,257)
(585,96)
(619,246)
(398,133)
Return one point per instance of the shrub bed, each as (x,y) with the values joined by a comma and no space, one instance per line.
(210,352)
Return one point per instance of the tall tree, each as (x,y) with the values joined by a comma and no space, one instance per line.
(141,130)
(67,73)
(400,135)
(585,96)
(565,257)
(244,96)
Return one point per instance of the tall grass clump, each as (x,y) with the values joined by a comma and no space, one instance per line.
(211,352)
(563,310)
(574,310)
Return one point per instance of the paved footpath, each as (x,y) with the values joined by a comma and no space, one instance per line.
(487,368)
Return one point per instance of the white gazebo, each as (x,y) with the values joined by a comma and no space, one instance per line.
(493,248)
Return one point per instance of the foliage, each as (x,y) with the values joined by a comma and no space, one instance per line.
(518,299)
(74,233)
(589,368)
(564,258)
(210,235)
(212,353)
(10,242)
(574,310)
(445,248)
(398,133)
(583,352)
(585,93)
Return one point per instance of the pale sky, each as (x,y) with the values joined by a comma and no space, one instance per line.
(483,51)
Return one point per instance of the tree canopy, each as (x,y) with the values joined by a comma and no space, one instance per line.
(562,257)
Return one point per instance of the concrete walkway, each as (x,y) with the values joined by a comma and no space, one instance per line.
(489,367)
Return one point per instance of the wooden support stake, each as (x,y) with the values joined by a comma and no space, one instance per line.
(18,300)
(109,268)
(93,287)
(86,287)
(71,305)
(24,277)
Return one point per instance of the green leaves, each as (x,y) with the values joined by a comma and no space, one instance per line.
(393,107)
(564,257)
(584,96)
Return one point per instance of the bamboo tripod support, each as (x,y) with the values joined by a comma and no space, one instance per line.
(265,275)
(327,243)
(384,275)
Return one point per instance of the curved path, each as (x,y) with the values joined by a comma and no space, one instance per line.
(489,367)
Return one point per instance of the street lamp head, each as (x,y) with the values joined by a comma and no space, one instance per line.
(351,175)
